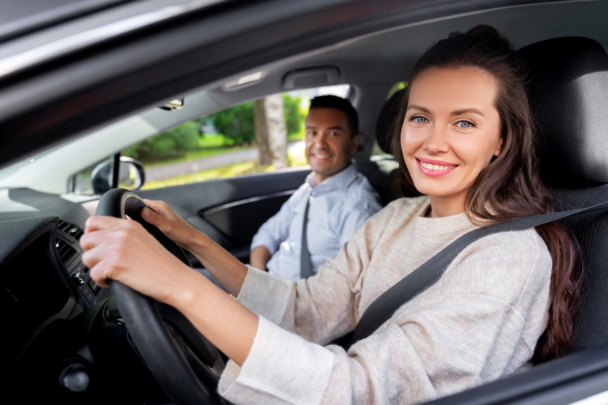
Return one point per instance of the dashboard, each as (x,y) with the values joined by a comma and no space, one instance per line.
(57,326)
(70,253)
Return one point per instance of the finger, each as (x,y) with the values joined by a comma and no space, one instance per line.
(93,257)
(101,274)
(99,223)
(89,240)
(154,205)
(151,216)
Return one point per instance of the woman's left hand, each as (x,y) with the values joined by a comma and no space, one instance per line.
(123,250)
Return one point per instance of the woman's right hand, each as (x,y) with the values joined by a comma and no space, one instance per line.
(169,223)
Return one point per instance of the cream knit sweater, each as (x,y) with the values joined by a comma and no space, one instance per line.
(479,322)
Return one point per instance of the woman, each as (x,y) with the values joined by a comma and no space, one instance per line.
(465,139)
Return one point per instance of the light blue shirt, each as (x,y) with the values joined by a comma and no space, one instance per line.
(338,206)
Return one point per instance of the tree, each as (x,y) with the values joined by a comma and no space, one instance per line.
(294,116)
(270,131)
(235,123)
(172,143)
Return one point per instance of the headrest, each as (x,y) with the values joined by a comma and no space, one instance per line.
(386,121)
(568,92)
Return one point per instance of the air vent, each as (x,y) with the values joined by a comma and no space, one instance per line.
(66,252)
(70,229)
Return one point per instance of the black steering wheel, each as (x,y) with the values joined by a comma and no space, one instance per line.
(185,364)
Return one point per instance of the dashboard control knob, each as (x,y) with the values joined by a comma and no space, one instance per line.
(74,378)
(78,279)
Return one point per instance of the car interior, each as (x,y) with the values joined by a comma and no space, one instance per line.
(64,329)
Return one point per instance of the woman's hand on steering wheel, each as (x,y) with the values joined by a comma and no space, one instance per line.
(124,251)
(169,223)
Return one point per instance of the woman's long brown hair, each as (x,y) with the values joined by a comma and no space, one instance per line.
(510,186)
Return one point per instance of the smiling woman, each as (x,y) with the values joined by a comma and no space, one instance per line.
(467,104)
(465,138)
(450,116)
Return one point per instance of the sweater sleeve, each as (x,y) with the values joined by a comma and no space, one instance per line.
(322,307)
(479,322)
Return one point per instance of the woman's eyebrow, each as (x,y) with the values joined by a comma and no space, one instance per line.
(467,110)
(417,107)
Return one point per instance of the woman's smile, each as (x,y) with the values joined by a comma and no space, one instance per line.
(435,168)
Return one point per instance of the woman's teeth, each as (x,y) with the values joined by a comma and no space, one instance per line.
(435,167)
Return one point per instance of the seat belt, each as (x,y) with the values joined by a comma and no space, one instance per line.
(305,260)
(385,306)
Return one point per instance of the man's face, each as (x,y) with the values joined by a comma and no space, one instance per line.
(329,144)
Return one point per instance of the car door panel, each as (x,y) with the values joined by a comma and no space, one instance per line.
(241,220)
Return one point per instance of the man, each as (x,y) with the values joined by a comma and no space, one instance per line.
(332,203)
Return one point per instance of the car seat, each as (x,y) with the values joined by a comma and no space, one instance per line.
(568,92)
(381,171)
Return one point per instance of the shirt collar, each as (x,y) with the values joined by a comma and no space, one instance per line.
(338,181)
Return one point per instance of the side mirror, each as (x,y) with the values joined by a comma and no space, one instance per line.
(131,175)
(102,177)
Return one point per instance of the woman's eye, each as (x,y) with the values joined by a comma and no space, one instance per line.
(418,120)
(465,124)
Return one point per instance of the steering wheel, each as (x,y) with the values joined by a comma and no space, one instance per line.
(185,364)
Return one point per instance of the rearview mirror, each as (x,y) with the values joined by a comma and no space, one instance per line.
(131,175)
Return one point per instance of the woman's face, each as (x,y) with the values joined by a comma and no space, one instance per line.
(451,130)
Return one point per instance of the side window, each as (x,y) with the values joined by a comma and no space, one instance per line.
(81,183)
(251,137)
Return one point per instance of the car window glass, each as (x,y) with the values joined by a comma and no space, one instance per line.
(232,142)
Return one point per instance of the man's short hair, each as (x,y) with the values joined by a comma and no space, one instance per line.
(341,104)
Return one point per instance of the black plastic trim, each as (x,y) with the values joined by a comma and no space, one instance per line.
(246,201)
(573,372)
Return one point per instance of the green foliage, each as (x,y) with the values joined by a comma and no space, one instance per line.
(235,123)
(396,88)
(294,115)
(171,143)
